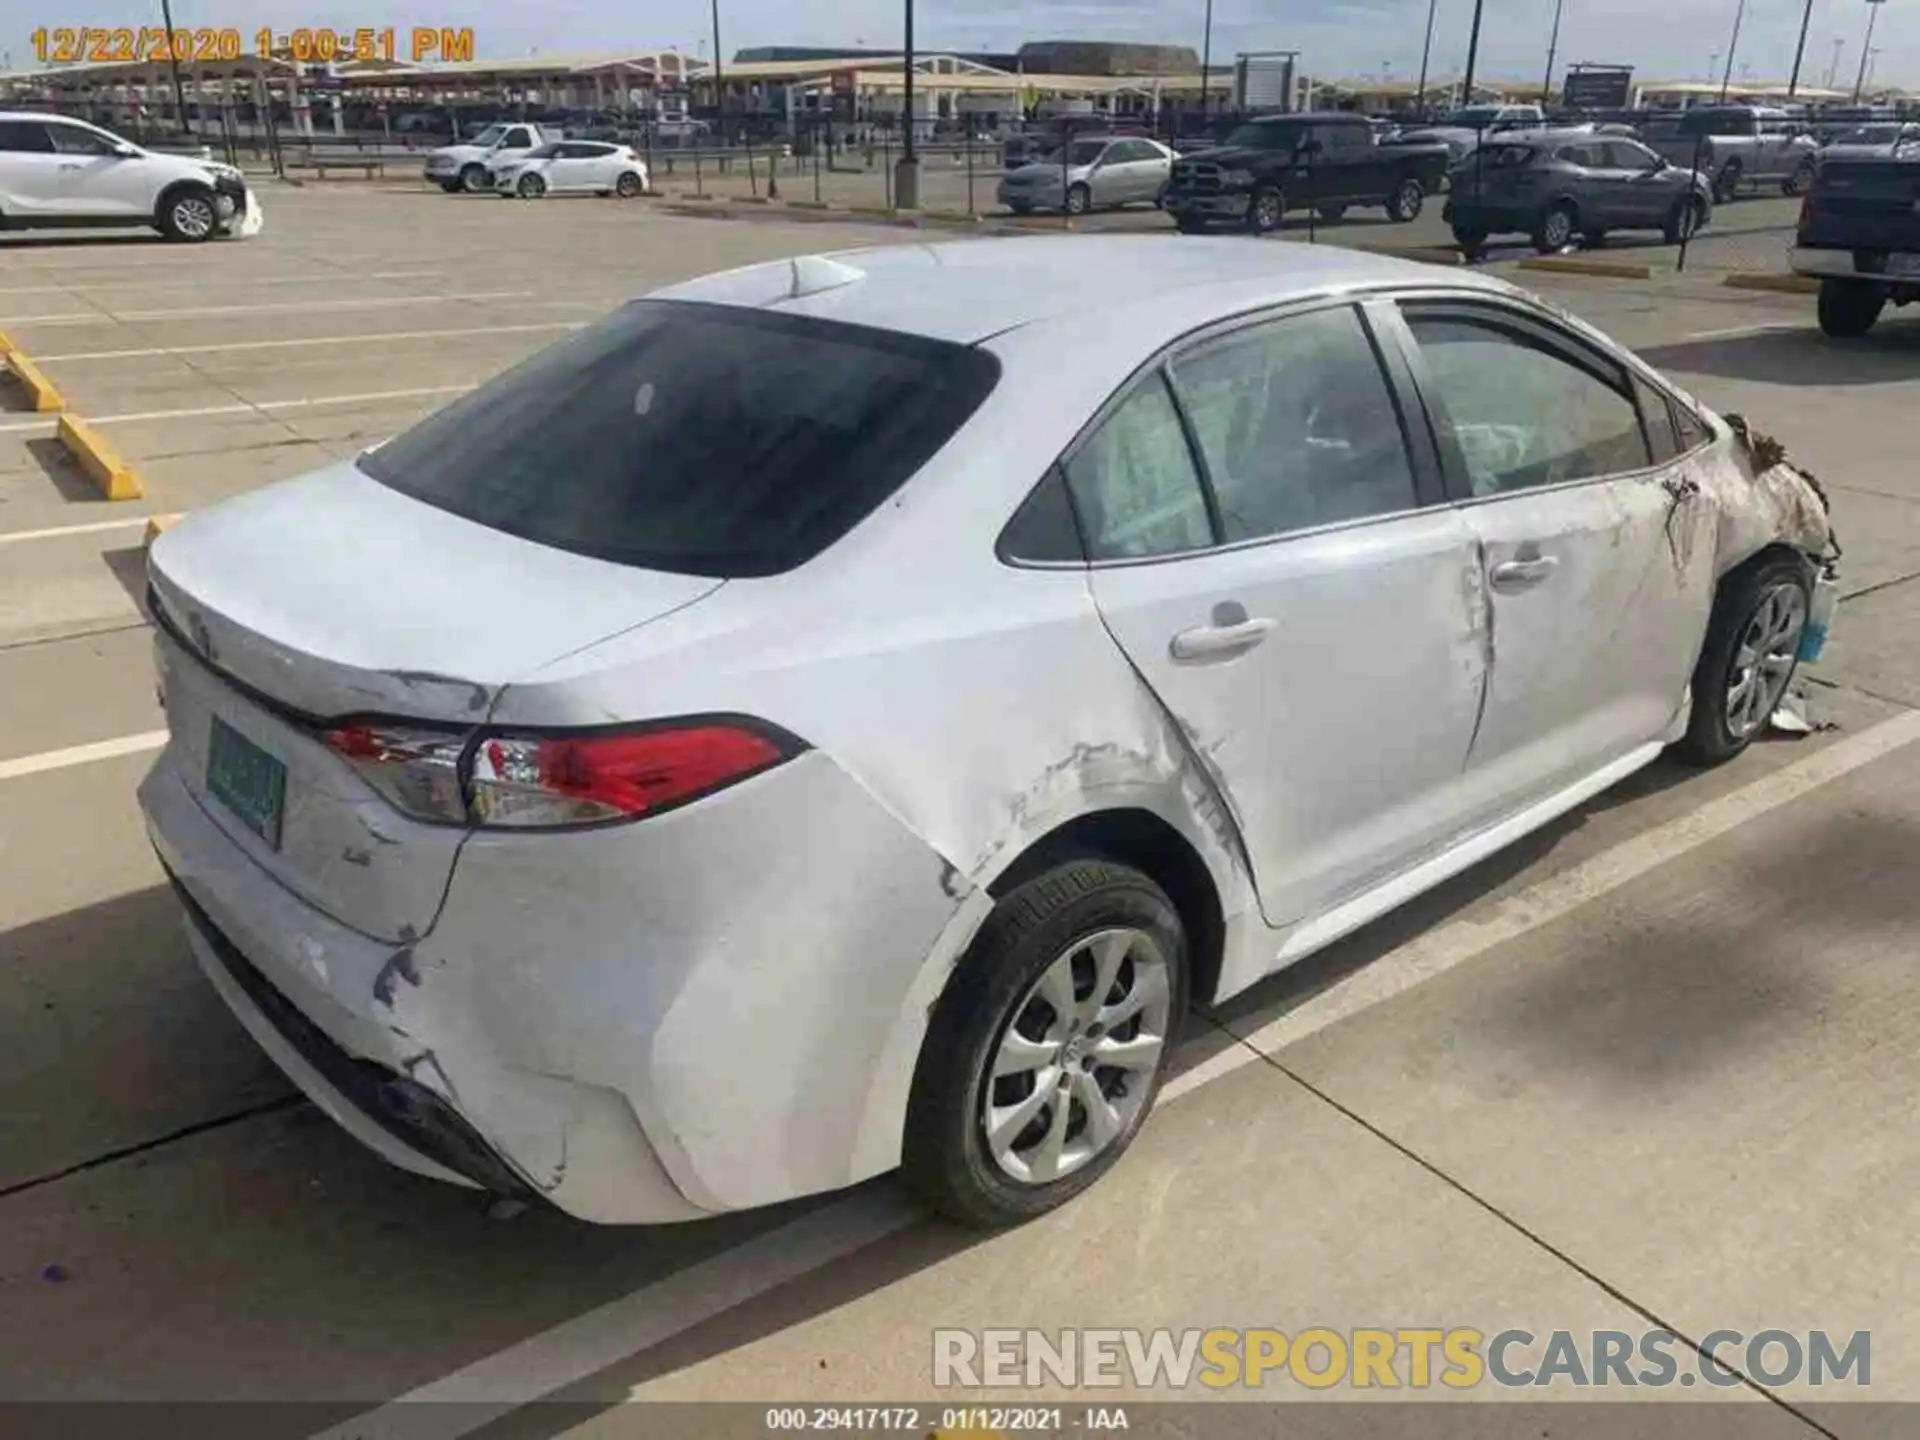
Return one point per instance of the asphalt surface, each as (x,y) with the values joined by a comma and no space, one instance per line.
(1653,1066)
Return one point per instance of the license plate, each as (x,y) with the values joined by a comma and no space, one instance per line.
(1903,264)
(247,780)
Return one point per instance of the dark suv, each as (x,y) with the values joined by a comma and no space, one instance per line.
(1324,162)
(1558,185)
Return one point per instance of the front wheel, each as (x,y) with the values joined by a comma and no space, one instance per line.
(473,178)
(189,214)
(1404,205)
(1266,210)
(1726,185)
(1751,652)
(1554,232)
(1048,1048)
(628,186)
(1079,200)
(531,187)
(1849,308)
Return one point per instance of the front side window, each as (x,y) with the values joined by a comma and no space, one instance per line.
(77,140)
(517,139)
(699,439)
(488,137)
(1266,137)
(1134,484)
(1297,426)
(1521,412)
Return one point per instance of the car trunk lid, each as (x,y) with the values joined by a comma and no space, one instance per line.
(335,596)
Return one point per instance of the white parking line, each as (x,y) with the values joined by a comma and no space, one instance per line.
(371,397)
(95,528)
(363,338)
(101,317)
(81,754)
(224,280)
(580,1348)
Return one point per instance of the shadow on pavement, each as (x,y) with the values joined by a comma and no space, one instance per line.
(1801,358)
(44,241)
(58,466)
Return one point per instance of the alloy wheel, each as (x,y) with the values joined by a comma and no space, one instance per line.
(1074,1068)
(1764,660)
(193,217)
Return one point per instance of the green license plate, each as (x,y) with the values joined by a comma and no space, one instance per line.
(247,780)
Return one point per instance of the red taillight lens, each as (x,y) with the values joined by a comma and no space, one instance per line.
(418,771)
(559,780)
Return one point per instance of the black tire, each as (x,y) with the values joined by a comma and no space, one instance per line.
(1472,241)
(473,178)
(1189,224)
(452,187)
(1849,308)
(1020,207)
(1266,209)
(628,186)
(1555,228)
(188,214)
(945,1158)
(1712,738)
(1689,213)
(1726,183)
(1333,214)
(1800,181)
(1408,199)
(1079,199)
(530,187)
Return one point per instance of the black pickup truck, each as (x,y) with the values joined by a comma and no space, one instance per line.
(1323,162)
(1859,235)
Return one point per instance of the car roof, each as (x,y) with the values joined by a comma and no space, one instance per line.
(968,290)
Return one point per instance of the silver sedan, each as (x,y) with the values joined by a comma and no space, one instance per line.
(1095,172)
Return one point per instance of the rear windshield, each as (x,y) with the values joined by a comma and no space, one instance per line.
(703,439)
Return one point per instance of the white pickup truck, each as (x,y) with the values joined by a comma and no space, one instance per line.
(470,165)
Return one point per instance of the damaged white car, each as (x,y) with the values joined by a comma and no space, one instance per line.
(839,714)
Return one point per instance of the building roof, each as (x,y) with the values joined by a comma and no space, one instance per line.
(967,290)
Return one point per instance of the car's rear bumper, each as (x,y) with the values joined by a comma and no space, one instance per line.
(644,1024)
(1876,265)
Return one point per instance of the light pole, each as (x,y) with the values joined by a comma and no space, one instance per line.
(1426,54)
(719,76)
(1473,53)
(1726,79)
(173,64)
(1866,49)
(1833,70)
(906,174)
(1553,45)
(1800,50)
(1206,62)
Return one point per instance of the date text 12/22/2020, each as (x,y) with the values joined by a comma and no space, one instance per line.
(101,44)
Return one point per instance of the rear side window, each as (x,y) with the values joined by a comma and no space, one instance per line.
(1135,487)
(24,137)
(702,439)
(1689,429)
(1658,418)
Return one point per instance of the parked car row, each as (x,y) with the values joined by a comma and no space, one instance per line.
(531,161)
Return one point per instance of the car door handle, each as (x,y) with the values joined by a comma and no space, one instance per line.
(1522,574)
(70,165)
(1204,642)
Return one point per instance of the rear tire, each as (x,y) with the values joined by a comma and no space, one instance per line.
(530,187)
(1059,924)
(1753,640)
(1554,231)
(1406,202)
(1726,184)
(628,186)
(1849,308)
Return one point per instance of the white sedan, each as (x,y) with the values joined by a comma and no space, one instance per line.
(840,713)
(574,166)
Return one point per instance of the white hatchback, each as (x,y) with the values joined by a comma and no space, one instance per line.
(574,167)
(840,713)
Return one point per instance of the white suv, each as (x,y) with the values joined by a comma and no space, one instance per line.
(471,164)
(57,171)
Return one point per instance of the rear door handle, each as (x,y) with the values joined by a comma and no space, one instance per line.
(1513,575)
(1205,642)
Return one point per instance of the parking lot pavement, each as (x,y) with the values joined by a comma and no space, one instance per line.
(1650,1067)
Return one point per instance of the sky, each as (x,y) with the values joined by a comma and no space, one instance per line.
(1664,39)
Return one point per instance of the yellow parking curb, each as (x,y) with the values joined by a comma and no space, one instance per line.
(46,399)
(158,525)
(1611,269)
(7,346)
(1783,284)
(110,474)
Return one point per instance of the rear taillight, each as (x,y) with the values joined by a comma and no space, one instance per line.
(418,771)
(1806,213)
(562,779)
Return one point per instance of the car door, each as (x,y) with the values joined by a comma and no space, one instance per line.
(1596,187)
(1265,549)
(1648,187)
(29,169)
(572,166)
(513,146)
(1136,162)
(95,177)
(1597,554)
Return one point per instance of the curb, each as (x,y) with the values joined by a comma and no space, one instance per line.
(46,399)
(1609,269)
(111,475)
(158,525)
(1780,284)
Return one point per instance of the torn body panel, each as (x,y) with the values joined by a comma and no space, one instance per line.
(1763,499)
